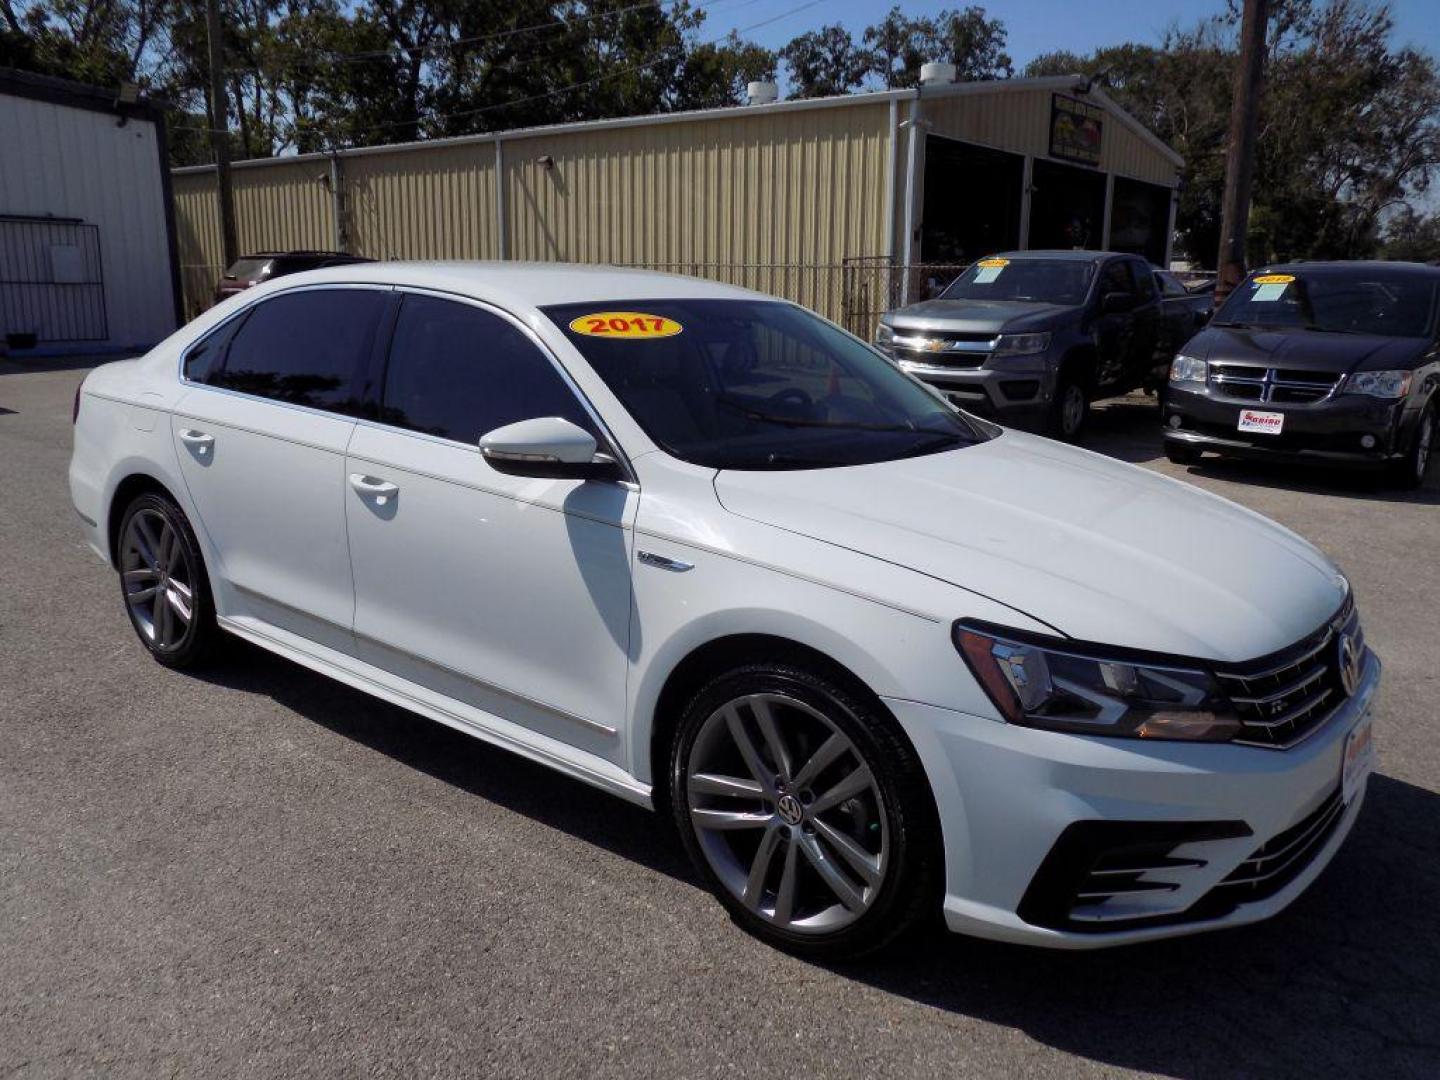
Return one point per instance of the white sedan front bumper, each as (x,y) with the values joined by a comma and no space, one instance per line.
(1212,817)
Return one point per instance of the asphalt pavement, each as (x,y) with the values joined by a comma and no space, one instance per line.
(254,871)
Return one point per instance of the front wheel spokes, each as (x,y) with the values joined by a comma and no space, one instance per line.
(760,866)
(833,877)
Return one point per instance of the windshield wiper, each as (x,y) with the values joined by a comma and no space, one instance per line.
(848,425)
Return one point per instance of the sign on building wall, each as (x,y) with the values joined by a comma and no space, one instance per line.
(1076,130)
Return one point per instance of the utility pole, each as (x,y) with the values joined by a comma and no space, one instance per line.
(1240,150)
(220,129)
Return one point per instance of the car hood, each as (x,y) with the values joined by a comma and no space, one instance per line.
(1100,550)
(977,316)
(1305,350)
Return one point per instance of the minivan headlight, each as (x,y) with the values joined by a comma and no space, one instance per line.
(1381,384)
(1092,691)
(1187,369)
(1021,344)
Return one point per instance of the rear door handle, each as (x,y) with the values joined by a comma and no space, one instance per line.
(380,490)
(200,440)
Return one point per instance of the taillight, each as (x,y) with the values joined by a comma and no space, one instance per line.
(75,409)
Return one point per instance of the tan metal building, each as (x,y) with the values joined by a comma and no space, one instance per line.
(827,201)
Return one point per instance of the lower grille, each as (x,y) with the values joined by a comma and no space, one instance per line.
(1285,697)
(1281,859)
(960,361)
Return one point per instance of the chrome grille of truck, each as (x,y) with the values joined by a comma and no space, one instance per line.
(1278,386)
(1285,698)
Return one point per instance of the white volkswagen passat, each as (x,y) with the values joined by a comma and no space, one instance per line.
(703,549)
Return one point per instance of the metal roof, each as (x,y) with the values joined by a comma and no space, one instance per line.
(1074,84)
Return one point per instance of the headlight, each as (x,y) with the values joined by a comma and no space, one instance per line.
(1093,692)
(884,335)
(1021,344)
(1382,384)
(1187,369)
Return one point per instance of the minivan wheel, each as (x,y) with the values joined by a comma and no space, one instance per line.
(1409,472)
(163,582)
(1070,408)
(805,810)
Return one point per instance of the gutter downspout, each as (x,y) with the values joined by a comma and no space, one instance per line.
(337,203)
(502,237)
(910,169)
(894,159)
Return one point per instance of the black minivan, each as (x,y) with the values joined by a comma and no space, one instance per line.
(1328,362)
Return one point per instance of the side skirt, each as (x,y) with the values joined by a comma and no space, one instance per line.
(417,699)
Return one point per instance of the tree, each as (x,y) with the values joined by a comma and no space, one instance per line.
(824,63)
(974,43)
(898,45)
(717,74)
(1412,236)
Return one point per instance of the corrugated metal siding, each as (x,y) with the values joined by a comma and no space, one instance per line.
(1019,121)
(426,203)
(73,162)
(760,199)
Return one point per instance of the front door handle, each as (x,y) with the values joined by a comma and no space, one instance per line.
(382,491)
(200,440)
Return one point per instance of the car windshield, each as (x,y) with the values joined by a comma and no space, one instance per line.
(1050,281)
(1382,302)
(754,384)
(247,269)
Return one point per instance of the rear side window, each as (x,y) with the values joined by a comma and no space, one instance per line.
(458,371)
(204,359)
(306,348)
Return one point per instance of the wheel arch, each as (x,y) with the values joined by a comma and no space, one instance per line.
(717,655)
(129,488)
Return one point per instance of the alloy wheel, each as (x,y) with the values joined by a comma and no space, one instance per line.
(788,813)
(157,578)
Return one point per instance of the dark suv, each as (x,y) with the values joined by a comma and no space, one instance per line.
(1327,362)
(250,270)
(1032,337)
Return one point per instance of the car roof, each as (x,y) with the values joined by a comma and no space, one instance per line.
(525,284)
(1063,254)
(1350,266)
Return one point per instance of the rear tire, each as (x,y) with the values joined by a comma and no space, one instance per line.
(805,810)
(163,582)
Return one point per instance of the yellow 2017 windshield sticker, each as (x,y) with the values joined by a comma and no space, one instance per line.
(1270,287)
(988,270)
(629,325)
(1274,279)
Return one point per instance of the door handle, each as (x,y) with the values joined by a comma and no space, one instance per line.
(379,490)
(200,440)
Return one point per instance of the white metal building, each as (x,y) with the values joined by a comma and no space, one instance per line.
(87,236)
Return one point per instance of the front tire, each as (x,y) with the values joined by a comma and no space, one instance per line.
(163,582)
(1409,472)
(1181,455)
(805,810)
(1070,408)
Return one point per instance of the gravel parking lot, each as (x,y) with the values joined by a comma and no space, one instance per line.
(256,871)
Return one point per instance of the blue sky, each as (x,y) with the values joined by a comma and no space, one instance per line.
(1035,26)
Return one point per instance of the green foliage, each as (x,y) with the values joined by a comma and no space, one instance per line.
(1349,125)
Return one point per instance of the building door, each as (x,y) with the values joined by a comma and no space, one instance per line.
(972,201)
(1067,206)
(1139,219)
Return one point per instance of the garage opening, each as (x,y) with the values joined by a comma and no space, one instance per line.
(972,201)
(1140,218)
(1067,206)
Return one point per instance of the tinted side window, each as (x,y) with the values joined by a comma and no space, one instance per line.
(457,371)
(1144,280)
(204,358)
(1116,278)
(305,348)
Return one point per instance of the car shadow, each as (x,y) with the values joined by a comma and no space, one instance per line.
(1346,980)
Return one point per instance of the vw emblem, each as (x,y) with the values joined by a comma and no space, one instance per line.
(790,809)
(1349,665)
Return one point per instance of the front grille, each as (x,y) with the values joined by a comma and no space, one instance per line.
(1282,858)
(1284,697)
(944,348)
(960,361)
(1276,386)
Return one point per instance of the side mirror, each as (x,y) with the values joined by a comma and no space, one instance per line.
(547,446)
(1114,303)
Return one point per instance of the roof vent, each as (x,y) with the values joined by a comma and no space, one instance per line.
(762,93)
(937,74)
